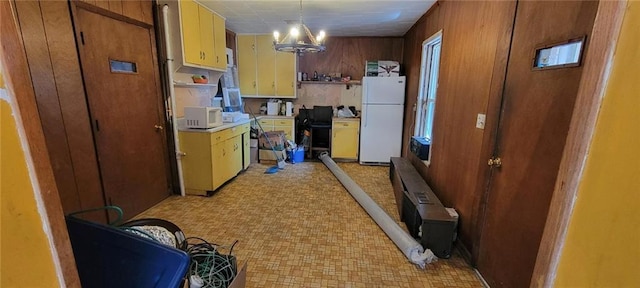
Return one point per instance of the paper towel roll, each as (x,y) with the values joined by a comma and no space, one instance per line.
(289,111)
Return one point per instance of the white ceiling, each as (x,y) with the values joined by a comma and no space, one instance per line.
(336,18)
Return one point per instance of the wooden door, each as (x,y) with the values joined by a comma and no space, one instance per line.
(536,111)
(247,64)
(190,21)
(126,110)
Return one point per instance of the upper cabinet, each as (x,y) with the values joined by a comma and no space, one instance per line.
(263,72)
(198,35)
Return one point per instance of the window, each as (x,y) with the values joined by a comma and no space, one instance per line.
(561,55)
(123,67)
(426,104)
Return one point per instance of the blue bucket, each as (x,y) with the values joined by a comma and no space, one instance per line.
(296,156)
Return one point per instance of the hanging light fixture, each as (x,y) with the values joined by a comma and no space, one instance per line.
(294,42)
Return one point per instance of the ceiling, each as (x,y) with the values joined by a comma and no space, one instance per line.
(336,18)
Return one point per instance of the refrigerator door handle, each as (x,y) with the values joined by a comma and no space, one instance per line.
(366,111)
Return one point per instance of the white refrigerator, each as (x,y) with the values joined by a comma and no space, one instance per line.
(381,121)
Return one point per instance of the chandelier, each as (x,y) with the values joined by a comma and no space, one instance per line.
(294,42)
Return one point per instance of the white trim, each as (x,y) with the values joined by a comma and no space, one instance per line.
(423,100)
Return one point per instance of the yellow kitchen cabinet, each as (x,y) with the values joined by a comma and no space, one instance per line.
(220,42)
(219,172)
(345,135)
(190,17)
(263,72)
(235,156)
(206,38)
(266,57)
(246,151)
(285,79)
(211,159)
(201,36)
(247,64)
(279,123)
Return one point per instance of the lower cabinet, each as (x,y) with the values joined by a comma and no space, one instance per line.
(345,135)
(213,158)
(276,123)
(246,150)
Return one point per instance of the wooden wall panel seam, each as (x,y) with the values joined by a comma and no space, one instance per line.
(41,68)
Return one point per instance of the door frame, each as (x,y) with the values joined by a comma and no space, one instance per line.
(595,75)
(605,35)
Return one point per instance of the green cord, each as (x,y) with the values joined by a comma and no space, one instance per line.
(214,269)
(111,207)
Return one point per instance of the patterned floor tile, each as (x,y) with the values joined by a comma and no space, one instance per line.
(300,228)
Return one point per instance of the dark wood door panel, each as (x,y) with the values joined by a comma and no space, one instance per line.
(125,110)
(536,111)
(347,55)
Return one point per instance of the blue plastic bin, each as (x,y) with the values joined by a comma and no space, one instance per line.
(296,156)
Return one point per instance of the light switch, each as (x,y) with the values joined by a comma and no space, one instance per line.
(480,121)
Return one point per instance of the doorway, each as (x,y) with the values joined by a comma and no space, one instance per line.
(537,106)
(126,110)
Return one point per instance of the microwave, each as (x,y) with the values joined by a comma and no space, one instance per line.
(202,117)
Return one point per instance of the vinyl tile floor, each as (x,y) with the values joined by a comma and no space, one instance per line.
(300,227)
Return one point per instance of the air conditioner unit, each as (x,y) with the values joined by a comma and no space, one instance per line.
(420,147)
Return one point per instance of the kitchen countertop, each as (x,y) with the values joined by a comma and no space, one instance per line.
(275,116)
(215,129)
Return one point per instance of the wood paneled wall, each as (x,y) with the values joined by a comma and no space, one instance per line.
(14,61)
(50,45)
(475,42)
(347,55)
(55,71)
(138,10)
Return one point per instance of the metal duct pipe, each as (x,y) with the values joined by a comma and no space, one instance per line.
(409,246)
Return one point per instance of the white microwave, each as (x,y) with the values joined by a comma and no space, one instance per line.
(202,117)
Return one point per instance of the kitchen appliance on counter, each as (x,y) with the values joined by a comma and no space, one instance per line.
(232,100)
(231,117)
(382,116)
(202,117)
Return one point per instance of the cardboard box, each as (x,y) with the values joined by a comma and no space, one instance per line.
(276,138)
(239,281)
(269,156)
(383,68)
(241,278)
(253,154)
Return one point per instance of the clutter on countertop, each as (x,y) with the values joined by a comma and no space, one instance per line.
(346,112)
(231,117)
(382,68)
(200,79)
(275,107)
